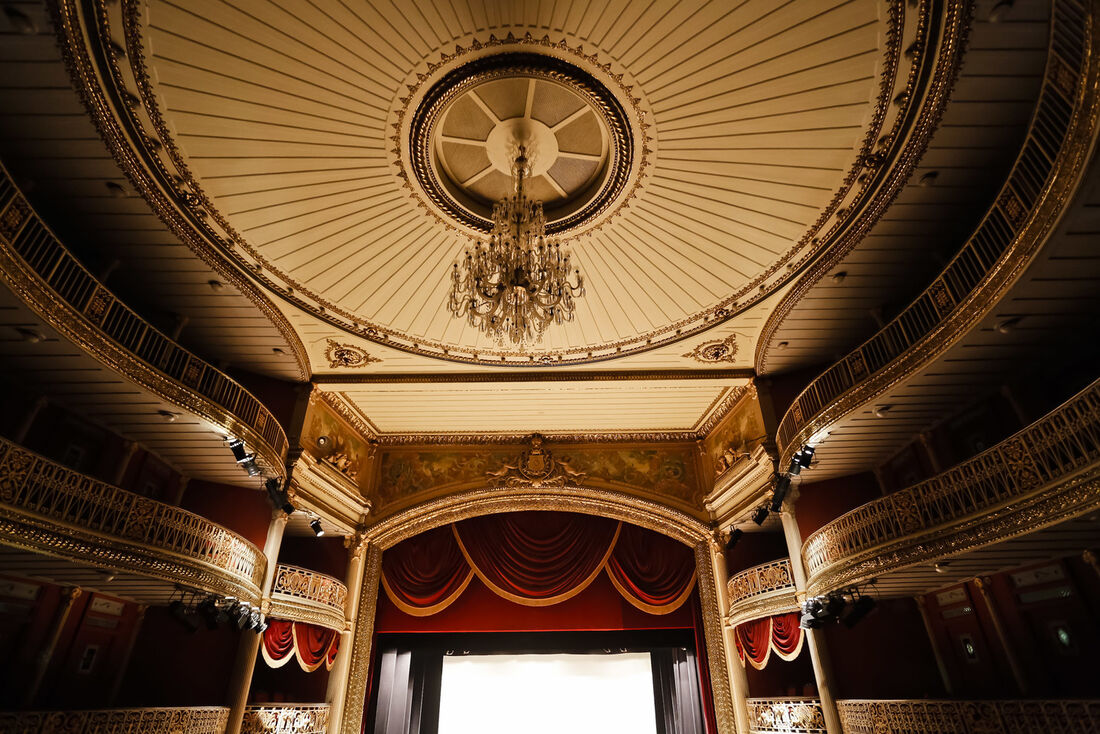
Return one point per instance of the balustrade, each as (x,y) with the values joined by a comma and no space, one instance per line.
(968,717)
(286,718)
(786,715)
(193,720)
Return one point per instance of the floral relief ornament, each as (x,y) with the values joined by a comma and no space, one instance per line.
(347,355)
(711,352)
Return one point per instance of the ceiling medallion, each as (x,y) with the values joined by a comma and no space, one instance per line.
(347,355)
(711,352)
(515,283)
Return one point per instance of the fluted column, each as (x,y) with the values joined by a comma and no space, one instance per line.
(819,654)
(42,660)
(739,680)
(341,669)
(248,648)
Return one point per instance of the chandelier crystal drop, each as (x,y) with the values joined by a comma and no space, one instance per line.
(516,283)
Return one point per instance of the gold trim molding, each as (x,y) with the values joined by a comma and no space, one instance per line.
(301,595)
(285,718)
(795,715)
(192,720)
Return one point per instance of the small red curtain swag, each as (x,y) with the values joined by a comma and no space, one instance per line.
(537,559)
(311,644)
(756,640)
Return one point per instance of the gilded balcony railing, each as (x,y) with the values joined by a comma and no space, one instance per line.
(308,596)
(194,720)
(58,511)
(1048,452)
(786,715)
(285,718)
(761,591)
(1059,120)
(23,233)
(968,717)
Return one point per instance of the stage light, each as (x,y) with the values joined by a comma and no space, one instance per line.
(262,625)
(857,611)
(183,615)
(806,456)
(278,496)
(795,468)
(208,610)
(250,467)
(315,525)
(241,614)
(735,535)
(782,486)
(760,515)
(239,453)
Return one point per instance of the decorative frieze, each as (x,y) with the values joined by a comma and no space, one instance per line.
(301,595)
(786,715)
(968,717)
(285,718)
(193,720)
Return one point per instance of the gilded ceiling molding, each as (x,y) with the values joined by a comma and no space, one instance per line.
(164,190)
(152,160)
(894,162)
(420,378)
(347,355)
(1010,236)
(725,407)
(711,352)
(485,439)
(179,377)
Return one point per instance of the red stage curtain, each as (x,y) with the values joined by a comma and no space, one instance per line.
(787,635)
(537,558)
(333,649)
(653,572)
(311,644)
(755,640)
(278,643)
(423,575)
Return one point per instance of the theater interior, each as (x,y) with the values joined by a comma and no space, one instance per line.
(644,366)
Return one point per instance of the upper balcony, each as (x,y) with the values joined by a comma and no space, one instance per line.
(54,301)
(190,720)
(301,595)
(973,518)
(761,591)
(58,524)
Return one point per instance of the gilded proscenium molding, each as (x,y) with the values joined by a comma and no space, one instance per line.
(1034,197)
(895,162)
(136,133)
(714,635)
(761,591)
(191,720)
(787,715)
(355,701)
(38,268)
(50,509)
(1045,474)
(969,717)
(166,193)
(285,718)
(301,595)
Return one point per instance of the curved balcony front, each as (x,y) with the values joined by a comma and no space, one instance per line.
(285,718)
(1037,193)
(968,717)
(1045,478)
(201,402)
(62,525)
(761,591)
(301,595)
(793,714)
(191,720)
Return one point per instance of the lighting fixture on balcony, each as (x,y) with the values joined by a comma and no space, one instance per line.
(516,283)
(315,526)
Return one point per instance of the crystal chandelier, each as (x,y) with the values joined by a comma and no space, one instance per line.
(516,283)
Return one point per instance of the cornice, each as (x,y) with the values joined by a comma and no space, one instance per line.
(152,160)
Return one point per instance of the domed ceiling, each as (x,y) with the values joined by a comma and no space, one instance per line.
(688,156)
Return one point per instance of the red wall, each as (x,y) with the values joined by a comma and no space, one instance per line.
(325,555)
(822,502)
(754,549)
(783,678)
(244,511)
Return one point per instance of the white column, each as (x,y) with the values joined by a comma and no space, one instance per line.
(248,648)
(819,655)
(739,680)
(341,669)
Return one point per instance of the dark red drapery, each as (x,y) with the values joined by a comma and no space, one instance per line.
(786,635)
(311,644)
(650,569)
(781,634)
(278,642)
(754,639)
(423,575)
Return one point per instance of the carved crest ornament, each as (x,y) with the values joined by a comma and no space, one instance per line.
(347,355)
(535,467)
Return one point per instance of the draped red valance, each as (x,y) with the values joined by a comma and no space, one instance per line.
(311,644)
(537,559)
(758,639)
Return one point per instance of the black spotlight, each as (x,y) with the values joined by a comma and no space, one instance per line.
(261,625)
(183,615)
(254,619)
(315,525)
(782,486)
(795,468)
(278,496)
(813,614)
(241,614)
(806,456)
(735,535)
(856,612)
(251,467)
(209,611)
(760,515)
(239,453)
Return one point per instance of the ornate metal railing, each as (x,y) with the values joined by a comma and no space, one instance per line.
(303,595)
(26,236)
(1054,449)
(968,717)
(194,720)
(786,715)
(285,718)
(759,580)
(51,508)
(982,260)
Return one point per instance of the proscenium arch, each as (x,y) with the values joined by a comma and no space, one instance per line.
(462,505)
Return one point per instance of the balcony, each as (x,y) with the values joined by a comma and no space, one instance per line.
(761,591)
(301,595)
(69,527)
(285,718)
(1044,478)
(194,720)
(967,717)
(786,715)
